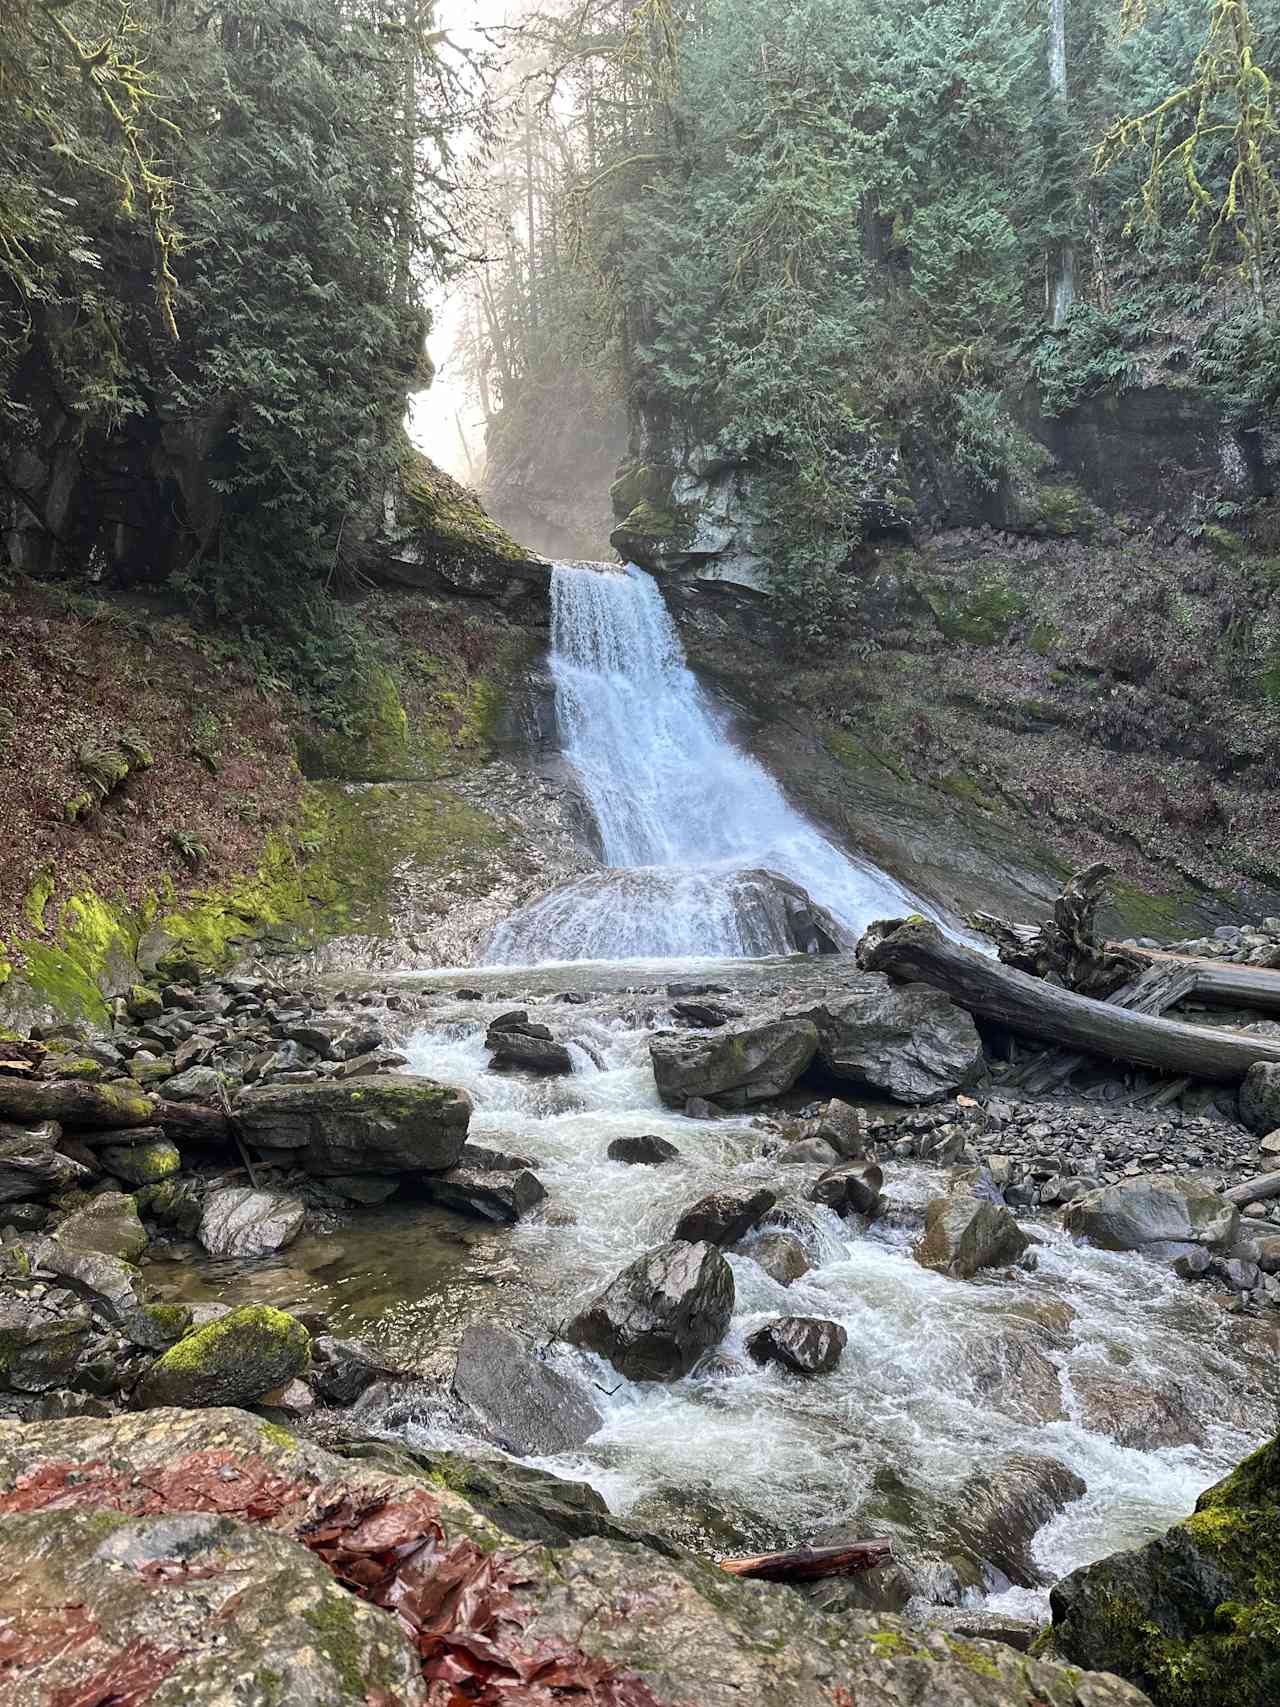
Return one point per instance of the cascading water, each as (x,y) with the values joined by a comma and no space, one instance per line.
(691,827)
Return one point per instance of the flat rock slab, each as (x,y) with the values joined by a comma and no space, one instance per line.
(523,1404)
(31,1165)
(242,1222)
(384,1123)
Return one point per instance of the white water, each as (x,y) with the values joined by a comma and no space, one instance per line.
(780,1457)
(682,812)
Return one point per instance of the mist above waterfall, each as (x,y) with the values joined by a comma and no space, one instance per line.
(688,822)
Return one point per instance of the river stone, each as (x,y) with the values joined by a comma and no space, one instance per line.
(1001,1508)
(963,1235)
(341,1369)
(240,1221)
(142,1164)
(807,1345)
(492,1195)
(749,1064)
(722,1217)
(1260,1097)
(1153,1210)
(656,1318)
(108,1223)
(850,1188)
(41,1338)
(246,1612)
(662,1626)
(31,1165)
(908,1040)
(514,1042)
(1132,1415)
(1198,1603)
(233,1361)
(493,1161)
(779,1253)
(645,1150)
(1011,1370)
(524,1405)
(840,1125)
(113,1288)
(806,1152)
(385,1123)
(196,1084)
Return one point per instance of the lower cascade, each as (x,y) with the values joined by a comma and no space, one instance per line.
(687,821)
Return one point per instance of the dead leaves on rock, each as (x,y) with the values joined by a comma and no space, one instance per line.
(457,1602)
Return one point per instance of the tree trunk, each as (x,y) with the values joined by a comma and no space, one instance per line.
(915,950)
(1063,294)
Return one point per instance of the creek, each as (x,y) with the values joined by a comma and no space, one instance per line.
(933,1383)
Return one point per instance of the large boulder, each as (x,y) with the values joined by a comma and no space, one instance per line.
(31,1165)
(722,1217)
(109,1614)
(1260,1098)
(1145,1418)
(908,1040)
(806,1345)
(108,1223)
(1194,1616)
(1153,1212)
(963,1235)
(656,1318)
(749,1064)
(42,1334)
(1002,1506)
(383,1123)
(644,1150)
(515,1042)
(521,1402)
(232,1361)
(240,1221)
(602,1617)
(490,1194)
(780,1254)
(1011,1370)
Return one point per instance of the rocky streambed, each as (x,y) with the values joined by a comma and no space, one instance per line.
(774,1261)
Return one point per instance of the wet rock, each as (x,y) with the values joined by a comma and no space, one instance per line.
(699,1108)
(1153,1210)
(852,1188)
(1137,1416)
(514,1042)
(240,1221)
(233,1361)
(644,1150)
(493,1161)
(906,1039)
(1198,1603)
(1011,1370)
(524,1405)
(709,1015)
(807,1345)
(108,1223)
(655,1319)
(244,1604)
(42,1334)
(805,1152)
(1002,1508)
(840,1125)
(738,1067)
(363,1188)
(981,1625)
(196,1084)
(112,1288)
(31,1165)
(1260,1097)
(393,1123)
(141,1164)
(963,1236)
(779,1253)
(341,1370)
(722,1217)
(492,1196)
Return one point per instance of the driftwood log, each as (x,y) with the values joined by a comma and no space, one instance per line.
(1226,982)
(803,1564)
(1065,949)
(195,1122)
(915,950)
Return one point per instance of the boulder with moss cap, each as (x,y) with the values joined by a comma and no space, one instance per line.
(380,1123)
(232,1361)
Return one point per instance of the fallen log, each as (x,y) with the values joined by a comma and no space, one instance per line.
(1257,1190)
(1066,948)
(195,1122)
(73,1104)
(803,1564)
(916,950)
(1227,982)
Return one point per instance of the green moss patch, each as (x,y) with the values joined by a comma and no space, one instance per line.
(977,616)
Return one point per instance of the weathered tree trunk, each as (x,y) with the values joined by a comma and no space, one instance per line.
(72,1105)
(194,1122)
(916,950)
(1063,292)
(802,1564)
(1224,981)
(1065,948)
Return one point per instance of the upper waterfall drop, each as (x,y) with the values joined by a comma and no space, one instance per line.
(691,827)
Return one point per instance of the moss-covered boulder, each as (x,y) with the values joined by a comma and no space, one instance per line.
(232,1361)
(379,1123)
(142,1164)
(108,1224)
(1193,1617)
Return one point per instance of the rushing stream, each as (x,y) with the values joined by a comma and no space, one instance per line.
(934,1381)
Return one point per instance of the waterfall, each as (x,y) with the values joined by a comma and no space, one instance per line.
(691,827)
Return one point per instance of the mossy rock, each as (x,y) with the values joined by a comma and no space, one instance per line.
(157,1326)
(446,513)
(81,1069)
(142,1164)
(653,531)
(374,746)
(980,615)
(1193,1617)
(141,1002)
(232,1361)
(1062,511)
(107,1224)
(642,483)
